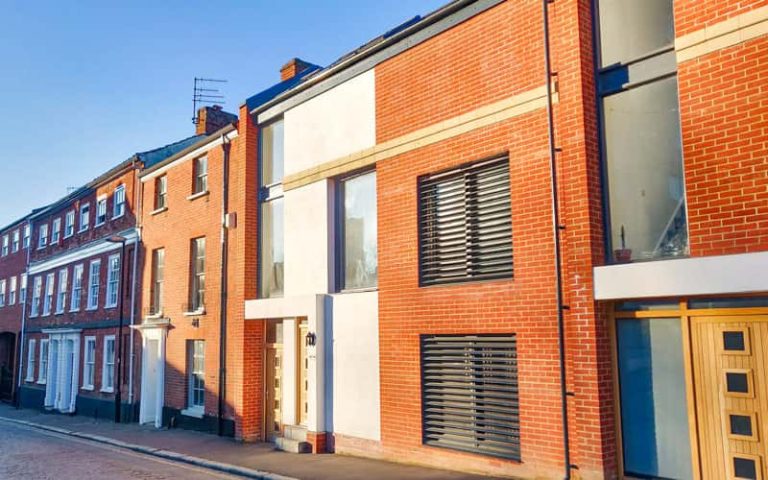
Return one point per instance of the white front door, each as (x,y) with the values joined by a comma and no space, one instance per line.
(53,374)
(63,375)
(152,377)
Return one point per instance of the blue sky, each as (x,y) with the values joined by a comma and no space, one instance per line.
(86,84)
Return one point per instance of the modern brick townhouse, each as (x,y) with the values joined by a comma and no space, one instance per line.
(510,237)
(83,270)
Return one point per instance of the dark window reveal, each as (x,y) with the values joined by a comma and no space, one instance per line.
(465,224)
(740,425)
(734,341)
(737,382)
(744,468)
(470,394)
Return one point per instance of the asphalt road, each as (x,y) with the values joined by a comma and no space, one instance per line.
(30,454)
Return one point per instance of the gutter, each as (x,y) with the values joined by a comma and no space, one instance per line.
(225,147)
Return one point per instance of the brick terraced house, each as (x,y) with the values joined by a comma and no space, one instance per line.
(515,238)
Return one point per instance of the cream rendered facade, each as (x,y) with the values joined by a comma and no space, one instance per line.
(343,364)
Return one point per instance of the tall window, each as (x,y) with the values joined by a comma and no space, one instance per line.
(118,204)
(23,289)
(158,277)
(197,274)
(271,255)
(42,239)
(93,284)
(196,369)
(101,211)
(465,224)
(61,298)
(89,361)
(37,291)
(27,235)
(201,175)
(108,365)
(77,288)
(113,280)
(645,193)
(55,230)
(42,375)
(85,217)
(359,252)
(69,224)
(31,355)
(6,245)
(161,192)
(48,300)
(2,292)
(15,241)
(12,294)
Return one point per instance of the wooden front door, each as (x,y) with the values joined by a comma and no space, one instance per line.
(730,365)
(303,378)
(273,390)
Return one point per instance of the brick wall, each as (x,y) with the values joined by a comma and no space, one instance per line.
(692,15)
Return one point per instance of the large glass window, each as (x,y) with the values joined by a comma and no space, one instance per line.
(196,365)
(644,181)
(201,175)
(93,285)
(108,365)
(271,258)
(630,29)
(654,416)
(158,278)
(89,367)
(113,280)
(197,272)
(77,288)
(359,232)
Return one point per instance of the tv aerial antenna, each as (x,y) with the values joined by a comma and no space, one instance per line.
(205,93)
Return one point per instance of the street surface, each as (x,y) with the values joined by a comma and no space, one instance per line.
(30,454)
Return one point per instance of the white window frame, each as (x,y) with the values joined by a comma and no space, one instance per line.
(23,289)
(42,237)
(191,405)
(42,373)
(61,297)
(6,245)
(85,217)
(89,363)
(37,291)
(15,242)
(55,230)
(69,224)
(105,364)
(101,211)
(93,285)
(113,281)
(2,292)
(77,288)
(27,240)
(13,290)
(50,279)
(118,202)
(200,178)
(161,192)
(31,353)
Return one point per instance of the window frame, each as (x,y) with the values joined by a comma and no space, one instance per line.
(112,296)
(101,211)
(37,291)
(200,178)
(92,301)
(42,371)
(161,194)
(196,300)
(268,193)
(107,365)
(42,236)
(55,230)
(6,249)
(3,287)
(119,202)
(61,294)
(77,287)
(23,288)
(15,241)
(49,293)
(341,246)
(31,360)
(89,367)
(85,214)
(69,224)
(158,271)
(13,289)
(27,236)
(195,378)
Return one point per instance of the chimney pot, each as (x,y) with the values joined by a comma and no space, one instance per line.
(294,67)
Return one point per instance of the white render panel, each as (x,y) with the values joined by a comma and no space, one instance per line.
(339,122)
(728,274)
(356,400)
(307,226)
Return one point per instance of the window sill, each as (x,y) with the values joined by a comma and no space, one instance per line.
(158,211)
(110,307)
(117,217)
(100,224)
(87,388)
(41,382)
(195,412)
(195,196)
(59,313)
(75,310)
(41,248)
(107,390)
(29,380)
(91,309)
(195,313)
(82,230)
(358,290)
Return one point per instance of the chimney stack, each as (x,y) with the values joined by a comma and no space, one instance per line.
(294,67)
(210,119)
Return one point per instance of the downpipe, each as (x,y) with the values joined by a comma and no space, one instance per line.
(225,146)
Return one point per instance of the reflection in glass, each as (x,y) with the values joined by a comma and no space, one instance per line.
(272,153)
(360,232)
(632,28)
(654,416)
(645,173)
(272,254)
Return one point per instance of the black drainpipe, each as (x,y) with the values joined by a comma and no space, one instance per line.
(225,146)
(557,228)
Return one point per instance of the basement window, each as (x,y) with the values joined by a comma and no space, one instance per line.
(465,224)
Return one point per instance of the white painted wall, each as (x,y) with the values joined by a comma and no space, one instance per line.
(308,221)
(355,401)
(338,122)
(686,277)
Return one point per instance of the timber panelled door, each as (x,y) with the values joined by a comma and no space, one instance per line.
(692,389)
(273,393)
(303,376)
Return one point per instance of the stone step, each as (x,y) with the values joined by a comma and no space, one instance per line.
(292,446)
(295,432)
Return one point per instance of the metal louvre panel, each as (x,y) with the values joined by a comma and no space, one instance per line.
(465,224)
(470,398)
